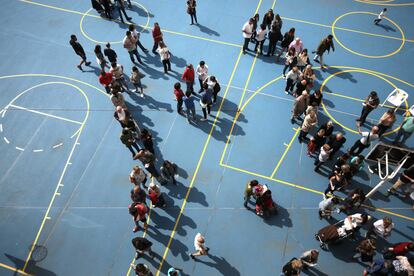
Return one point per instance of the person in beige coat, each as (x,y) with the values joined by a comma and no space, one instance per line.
(299,106)
(309,122)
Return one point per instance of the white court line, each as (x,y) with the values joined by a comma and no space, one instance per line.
(45,114)
(58,145)
(19,149)
(37,150)
(1,127)
(7,141)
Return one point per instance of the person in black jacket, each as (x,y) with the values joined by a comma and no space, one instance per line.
(142,245)
(293,267)
(273,35)
(336,142)
(79,51)
(325,45)
(110,54)
(268,18)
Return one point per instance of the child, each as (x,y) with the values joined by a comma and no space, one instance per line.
(323,156)
(136,80)
(380,16)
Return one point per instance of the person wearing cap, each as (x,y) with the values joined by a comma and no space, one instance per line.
(200,248)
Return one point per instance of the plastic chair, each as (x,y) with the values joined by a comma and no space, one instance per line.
(396,98)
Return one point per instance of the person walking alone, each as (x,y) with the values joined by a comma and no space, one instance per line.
(77,47)
(191,10)
(380,16)
(325,45)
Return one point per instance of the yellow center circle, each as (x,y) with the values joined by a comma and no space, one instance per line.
(364,55)
(112,42)
(359,71)
(385,3)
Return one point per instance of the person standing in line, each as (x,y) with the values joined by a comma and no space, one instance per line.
(299,106)
(169,171)
(382,227)
(381,15)
(310,258)
(188,77)
(248,192)
(157,36)
(336,142)
(191,10)
(292,76)
(154,193)
(206,102)
(255,22)
(260,39)
(141,246)
(110,54)
(325,45)
(77,47)
(147,158)
(138,211)
(327,206)
(105,78)
(199,246)
(323,157)
(100,59)
(146,138)
(130,43)
(268,18)
(292,268)
(128,139)
(138,195)
(309,122)
(405,131)
(365,141)
(190,107)
(371,102)
(386,121)
(135,78)
(165,56)
(297,44)
(121,9)
(123,117)
(202,73)
(117,71)
(137,176)
(179,94)
(117,99)
(141,270)
(335,183)
(173,271)
(247,31)
(274,35)
(287,39)
(406,179)
(137,36)
(366,250)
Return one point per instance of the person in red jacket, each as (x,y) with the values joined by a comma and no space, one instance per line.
(188,77)
(157,36)
(179,94)
(106,79)
(399,249)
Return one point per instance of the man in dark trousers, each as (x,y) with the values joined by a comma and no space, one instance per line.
(121,10)
(274,35)
(370,103)
(79,51)
(147,159)
(142,245)
(110,54)
(325,45)
(365,141)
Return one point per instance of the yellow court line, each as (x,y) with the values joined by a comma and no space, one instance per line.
(198,167)
(310,190)
(361,100)
(247,82)
(14,269)
(285,152)
(143,235)
(274,4)
(145,27)
(44,114)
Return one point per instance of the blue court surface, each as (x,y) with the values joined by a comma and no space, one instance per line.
(64,172)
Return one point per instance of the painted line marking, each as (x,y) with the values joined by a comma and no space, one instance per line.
(285,144)
(57,145)
(1,127)
(45,114)
(60,185)
(14,269)
(6,140)
(37,150)
(69,163)
(57,194)
(18,148)
(285,152)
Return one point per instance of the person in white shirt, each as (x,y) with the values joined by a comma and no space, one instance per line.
(380,16)
(327,206)
(165,56)
(365,141)
(117,71)
(381,227)
(323,156)
(138,176)
(260,38)
(247,34)
(130,43)
(202,73)
(199,246)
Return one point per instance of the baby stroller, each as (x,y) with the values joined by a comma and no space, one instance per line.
(265,206)
(334,233)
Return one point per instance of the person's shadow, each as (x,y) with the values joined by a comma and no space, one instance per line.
(32,267)
(220,264)
(386,28)
(207,30)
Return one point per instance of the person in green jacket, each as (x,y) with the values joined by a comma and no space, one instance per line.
(405,131)
(248,192)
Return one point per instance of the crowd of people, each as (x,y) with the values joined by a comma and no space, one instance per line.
(324,143)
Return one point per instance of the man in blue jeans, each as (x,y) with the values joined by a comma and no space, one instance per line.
(189,106)
(121,9)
